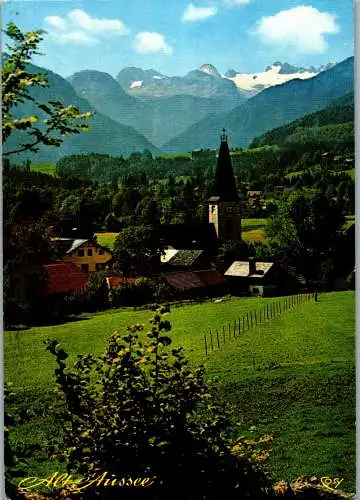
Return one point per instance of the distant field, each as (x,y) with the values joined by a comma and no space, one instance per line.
(292,377)
(253,229)
(316,168)
(176,155)
(106,239)
(44,168)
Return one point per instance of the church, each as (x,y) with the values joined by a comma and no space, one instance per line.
(187,263)
(190,251)
(224,221)
(224,206)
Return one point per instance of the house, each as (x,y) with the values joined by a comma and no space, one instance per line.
(63,278)
(87,254)
(184,259)
(263,279)
(196,284)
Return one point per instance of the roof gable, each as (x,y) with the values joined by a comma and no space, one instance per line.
(241,269)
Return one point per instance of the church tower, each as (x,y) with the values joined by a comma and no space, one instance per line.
(224,205)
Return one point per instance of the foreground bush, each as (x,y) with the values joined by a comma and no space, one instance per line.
(139,410)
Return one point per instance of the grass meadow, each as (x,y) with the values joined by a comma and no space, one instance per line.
(253,229)
(292,376)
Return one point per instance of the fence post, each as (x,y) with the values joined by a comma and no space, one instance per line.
(206,351)
(217,337)
(255,318)
(211,341)
(251,319)
(280,307)
(260,315)
(239,328)
(224,333)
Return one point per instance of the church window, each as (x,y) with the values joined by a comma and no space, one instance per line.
(212,209)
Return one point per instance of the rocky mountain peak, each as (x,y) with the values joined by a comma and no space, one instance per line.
(210,70)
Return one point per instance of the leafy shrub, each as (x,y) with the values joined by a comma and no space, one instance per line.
(94,297)
(139,410)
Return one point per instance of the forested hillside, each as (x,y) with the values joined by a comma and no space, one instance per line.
(340,111)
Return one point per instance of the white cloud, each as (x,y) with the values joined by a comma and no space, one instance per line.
(104,27)
(56,21)
(302,28)
(146,42)
(79,27)
(193,13)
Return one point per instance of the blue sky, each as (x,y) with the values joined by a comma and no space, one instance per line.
(176,36)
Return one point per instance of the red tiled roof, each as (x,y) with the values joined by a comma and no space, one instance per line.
(210,277)
(195,279)
(63,277)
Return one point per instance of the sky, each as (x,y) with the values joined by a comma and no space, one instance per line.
(177,36)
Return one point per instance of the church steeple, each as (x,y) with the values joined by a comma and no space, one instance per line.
(224,205)
(225,185)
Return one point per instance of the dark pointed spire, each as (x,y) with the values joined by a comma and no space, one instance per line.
(225,185)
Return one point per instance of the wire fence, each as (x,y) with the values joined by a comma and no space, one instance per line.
(220,336)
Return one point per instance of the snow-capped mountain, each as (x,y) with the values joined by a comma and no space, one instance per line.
(276,74)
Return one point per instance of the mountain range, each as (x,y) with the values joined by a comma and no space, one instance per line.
(189,112)
(202,82)
(105,135)
(159,119)
(270,108)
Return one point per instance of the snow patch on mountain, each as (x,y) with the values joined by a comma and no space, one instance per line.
(136,84)
(256,82)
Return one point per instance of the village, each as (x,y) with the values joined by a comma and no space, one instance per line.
(179,321)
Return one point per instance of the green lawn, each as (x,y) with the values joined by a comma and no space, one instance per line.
(106,239)
(44,168)
(292,377)
(253,229)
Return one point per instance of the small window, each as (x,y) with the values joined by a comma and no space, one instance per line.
(81,253)
(85,268)
(213,208)
(89,252)
(256,290)
(99,266)
(101,251)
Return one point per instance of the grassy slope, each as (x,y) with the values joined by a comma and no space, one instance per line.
(44,168)
(307,402)
(106,239)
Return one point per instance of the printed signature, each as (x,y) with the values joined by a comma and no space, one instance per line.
(331,483)
(58,480)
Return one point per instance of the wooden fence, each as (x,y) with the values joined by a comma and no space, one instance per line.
(219,337)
